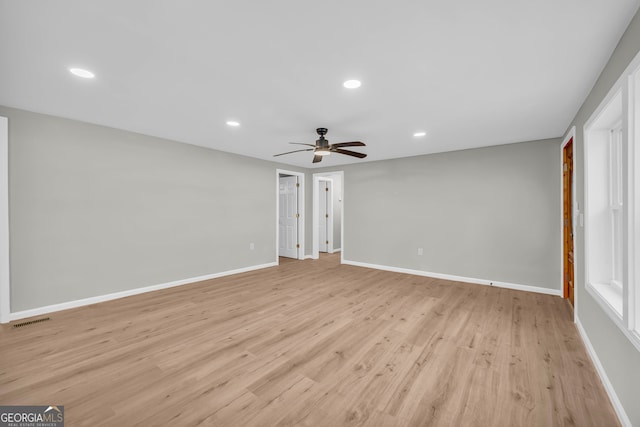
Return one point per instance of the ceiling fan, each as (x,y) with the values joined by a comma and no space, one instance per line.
(323,148)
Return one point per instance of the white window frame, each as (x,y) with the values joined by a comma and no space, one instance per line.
(633,292)
(618,115)
(616,205)
(599,204)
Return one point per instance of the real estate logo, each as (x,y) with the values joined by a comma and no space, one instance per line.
(32,416)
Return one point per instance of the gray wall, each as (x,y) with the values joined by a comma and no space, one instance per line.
(490,213)
(619,357)
(95,210)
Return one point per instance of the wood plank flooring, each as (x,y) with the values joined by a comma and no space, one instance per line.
(310,343)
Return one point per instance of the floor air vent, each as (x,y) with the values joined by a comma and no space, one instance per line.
(30,322)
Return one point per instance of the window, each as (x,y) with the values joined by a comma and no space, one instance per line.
(615,205)
(612,203)
(634,191)
(604,137)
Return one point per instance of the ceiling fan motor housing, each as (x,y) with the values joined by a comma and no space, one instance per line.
(322,143)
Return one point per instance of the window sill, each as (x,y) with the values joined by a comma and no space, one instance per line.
(609,297)
(617,287)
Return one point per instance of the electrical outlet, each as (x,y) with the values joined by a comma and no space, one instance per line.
(252,246)
(419,251)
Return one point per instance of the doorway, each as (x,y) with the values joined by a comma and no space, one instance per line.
(568,202)
(325,215)
(328,230)
(289,214)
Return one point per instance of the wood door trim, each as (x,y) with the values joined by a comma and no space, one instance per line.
(565,251)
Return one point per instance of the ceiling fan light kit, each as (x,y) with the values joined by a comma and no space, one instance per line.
(322,147)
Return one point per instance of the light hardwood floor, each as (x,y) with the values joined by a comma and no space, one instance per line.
(311,343)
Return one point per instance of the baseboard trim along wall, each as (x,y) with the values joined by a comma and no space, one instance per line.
(116,295)
(515,286)
(617,405)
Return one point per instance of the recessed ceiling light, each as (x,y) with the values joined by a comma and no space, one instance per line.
(352,84)
(81,72)
(419,134)
(233,123)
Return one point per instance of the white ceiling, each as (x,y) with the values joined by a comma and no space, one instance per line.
(470,73)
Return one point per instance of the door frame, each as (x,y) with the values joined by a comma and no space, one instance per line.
(301,204)
(315,247)
(5,284)
(329,206)
(570,136)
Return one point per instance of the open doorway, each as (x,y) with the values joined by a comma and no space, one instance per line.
(325,215)
(328,195)
(289,214)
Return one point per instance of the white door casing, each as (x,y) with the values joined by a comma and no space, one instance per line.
(316,243)
(330,214)
(288,216)
(301,211)
(325,215)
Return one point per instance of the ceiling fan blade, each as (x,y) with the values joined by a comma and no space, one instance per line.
(349,153)
(295,151)
(302,143)
(349,144)
(317,159)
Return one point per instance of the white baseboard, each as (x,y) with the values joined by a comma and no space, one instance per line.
(116,295)
(617,405)
(515,286)
(337,250)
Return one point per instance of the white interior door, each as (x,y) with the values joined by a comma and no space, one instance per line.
(288,220)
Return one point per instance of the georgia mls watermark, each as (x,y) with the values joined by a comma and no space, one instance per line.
(32,416)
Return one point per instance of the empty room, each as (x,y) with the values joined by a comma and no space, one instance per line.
(291,213)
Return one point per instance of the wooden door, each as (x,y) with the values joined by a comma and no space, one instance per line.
(567,216)
(288,216)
